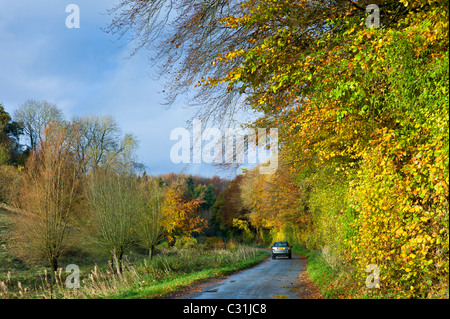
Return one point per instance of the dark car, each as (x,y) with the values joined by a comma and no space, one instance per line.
(281,248)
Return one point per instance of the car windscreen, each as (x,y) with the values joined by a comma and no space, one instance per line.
(280,244)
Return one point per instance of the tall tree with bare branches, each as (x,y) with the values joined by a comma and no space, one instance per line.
(34,116)
(48,197)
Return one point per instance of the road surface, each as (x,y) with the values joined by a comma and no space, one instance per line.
(277,278)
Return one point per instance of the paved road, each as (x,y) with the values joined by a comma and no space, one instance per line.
(271,279)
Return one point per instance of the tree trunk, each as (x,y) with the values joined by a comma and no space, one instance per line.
(54,265)
(119,260)
(111,263)
(150,252)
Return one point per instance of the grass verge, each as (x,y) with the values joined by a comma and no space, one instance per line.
(334,283)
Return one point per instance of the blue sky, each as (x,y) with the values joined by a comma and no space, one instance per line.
(86,71)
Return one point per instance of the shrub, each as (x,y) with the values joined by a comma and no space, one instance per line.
(214,242)
(185,242)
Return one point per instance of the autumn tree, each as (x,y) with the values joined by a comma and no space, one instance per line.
(182,211)
(229,207)
(48,197)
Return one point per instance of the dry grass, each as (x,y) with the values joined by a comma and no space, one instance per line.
(97,283)
(109,282)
